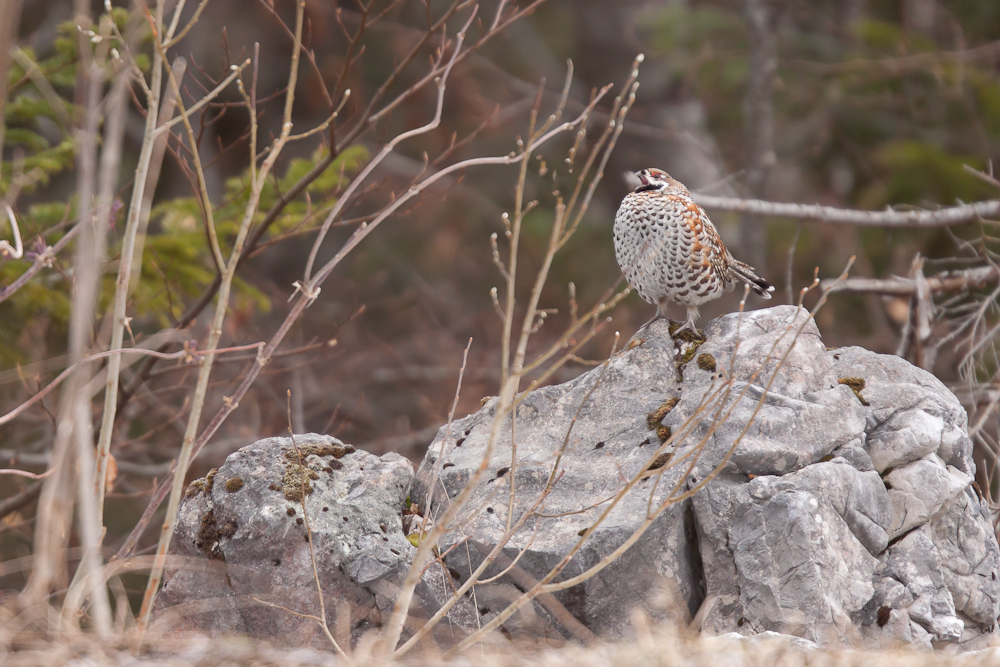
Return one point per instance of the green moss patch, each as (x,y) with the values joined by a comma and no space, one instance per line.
(654,418)
(210,480)
(202,484)
(688,355)
(234,484)
(207,539)
(194,488)
(857,385)
(296,482)
(706,362)
(686,335)
(331,449)
(660,461)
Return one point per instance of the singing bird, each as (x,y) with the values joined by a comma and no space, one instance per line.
(670,251)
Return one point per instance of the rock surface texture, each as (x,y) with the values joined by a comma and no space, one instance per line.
(753,479)
(245,531)
(845,511)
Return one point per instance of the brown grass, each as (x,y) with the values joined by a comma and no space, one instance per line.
(650,645)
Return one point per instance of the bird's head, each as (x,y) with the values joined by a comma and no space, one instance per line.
(657,179)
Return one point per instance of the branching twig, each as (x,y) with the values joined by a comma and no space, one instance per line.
(258,179)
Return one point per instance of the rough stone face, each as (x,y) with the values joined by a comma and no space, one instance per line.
(197,597)
(753,479)
(601,422)
(249,525)
(839,505)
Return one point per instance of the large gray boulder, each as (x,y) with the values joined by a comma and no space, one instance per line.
(838,506)
(750,480)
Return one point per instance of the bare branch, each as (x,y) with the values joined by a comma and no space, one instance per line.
(258,178)
(948,281)
(952,215)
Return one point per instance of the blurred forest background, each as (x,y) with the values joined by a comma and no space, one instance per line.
(858,104)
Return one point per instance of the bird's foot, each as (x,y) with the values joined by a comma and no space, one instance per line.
(642,333)
(686,332)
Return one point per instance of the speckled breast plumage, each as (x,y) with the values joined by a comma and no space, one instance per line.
(668,249)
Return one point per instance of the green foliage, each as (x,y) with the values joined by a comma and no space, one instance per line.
(42,300)
(698,46)
(35,122)
(681,28)
(47,215)
(348,162)
(919,172)
(880,35)
(178,264)
(987,93)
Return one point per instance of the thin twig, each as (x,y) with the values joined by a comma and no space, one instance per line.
(259,177)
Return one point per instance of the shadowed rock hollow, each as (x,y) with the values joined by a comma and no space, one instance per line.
(845,511)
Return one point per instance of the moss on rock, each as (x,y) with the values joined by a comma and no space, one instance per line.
(857,385)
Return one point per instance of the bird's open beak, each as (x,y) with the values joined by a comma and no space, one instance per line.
(642,178)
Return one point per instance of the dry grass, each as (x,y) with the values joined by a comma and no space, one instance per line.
(656,645)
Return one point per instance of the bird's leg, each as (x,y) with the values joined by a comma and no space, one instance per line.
(689,323)
(661,312)
(640,335)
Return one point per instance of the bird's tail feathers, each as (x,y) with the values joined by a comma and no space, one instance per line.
(748,274)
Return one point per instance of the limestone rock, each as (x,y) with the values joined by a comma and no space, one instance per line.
(247,520)
(752,480)
(823,493)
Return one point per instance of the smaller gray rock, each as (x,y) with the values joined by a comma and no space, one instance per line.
(254,518)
